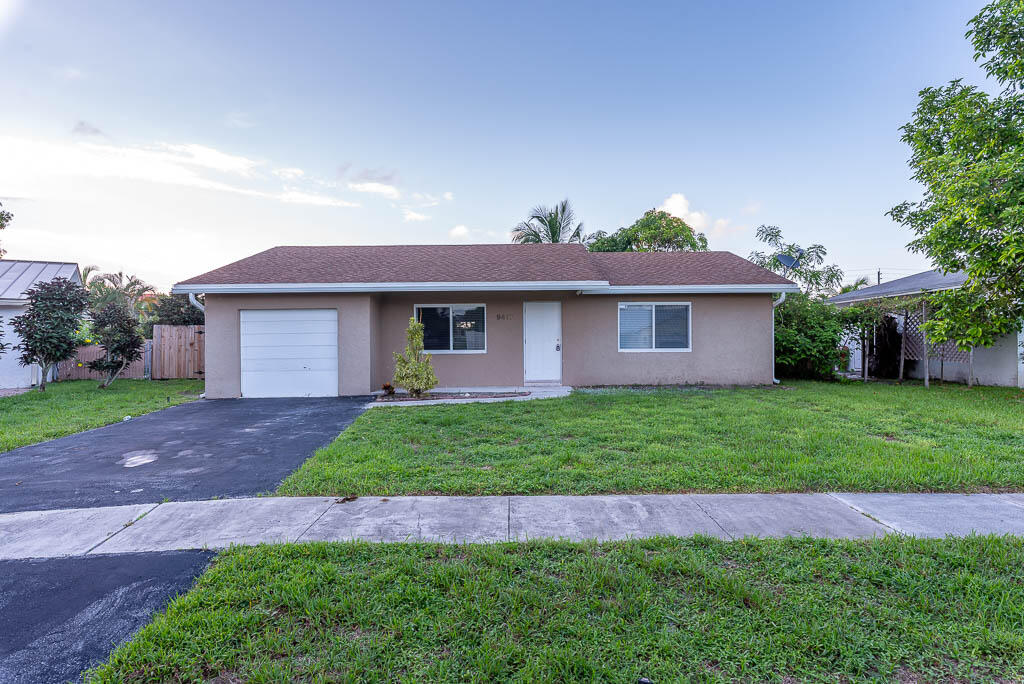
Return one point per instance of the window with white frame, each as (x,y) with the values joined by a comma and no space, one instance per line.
(453,327)
(654,326)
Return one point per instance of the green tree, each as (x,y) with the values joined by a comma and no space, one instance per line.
(116,328)
(106,288)
(655,231)
(660,231)
(967,150)
(172,309)
(412,369)
(619,241)
(807,337)
(549,224)
(5,218)
(49,325)
(857,284)
(811,273)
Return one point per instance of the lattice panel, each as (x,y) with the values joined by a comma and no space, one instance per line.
(914,343)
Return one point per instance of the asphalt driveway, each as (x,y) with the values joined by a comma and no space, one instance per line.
(201,450)
(59,617)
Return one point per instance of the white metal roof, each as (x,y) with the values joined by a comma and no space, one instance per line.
(17,276)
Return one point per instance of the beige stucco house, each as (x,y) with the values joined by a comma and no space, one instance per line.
(324,321)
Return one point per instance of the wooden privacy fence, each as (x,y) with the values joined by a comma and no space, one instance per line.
(179,351)
(77,368)
(176,351)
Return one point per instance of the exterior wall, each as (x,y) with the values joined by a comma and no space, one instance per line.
(223,342)
(12,373)
(502,365)
(995,365)
(731,340)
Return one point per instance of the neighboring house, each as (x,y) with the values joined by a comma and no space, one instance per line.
(323,321)
(1000,364)
(15,278)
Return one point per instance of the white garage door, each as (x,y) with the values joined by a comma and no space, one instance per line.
(289,352)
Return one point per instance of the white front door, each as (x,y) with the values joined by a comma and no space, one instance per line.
(289,352)
(542,341)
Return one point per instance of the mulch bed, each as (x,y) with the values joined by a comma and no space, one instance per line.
(386,398)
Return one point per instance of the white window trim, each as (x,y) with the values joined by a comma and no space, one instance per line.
(654,323)
(451,322)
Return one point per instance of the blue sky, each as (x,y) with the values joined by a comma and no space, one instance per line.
(165,139)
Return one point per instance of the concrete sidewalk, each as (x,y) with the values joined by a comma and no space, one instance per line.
(224,522)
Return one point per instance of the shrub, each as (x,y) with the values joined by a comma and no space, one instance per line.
(48,326)
(807,337)
(412,369)
(117,329)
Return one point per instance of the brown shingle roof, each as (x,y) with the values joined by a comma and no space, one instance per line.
(486,263)
(682,268)
(408,264)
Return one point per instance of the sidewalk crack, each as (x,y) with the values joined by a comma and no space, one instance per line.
(123,528)
(712,519)
(867,515)
(310,526)
(508,520)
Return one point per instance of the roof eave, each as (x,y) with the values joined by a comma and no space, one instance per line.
(480,286)
(738,288)
(905,293)
(587,287)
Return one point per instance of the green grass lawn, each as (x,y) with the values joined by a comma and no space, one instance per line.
(76,405)
(667,609)
(804,437)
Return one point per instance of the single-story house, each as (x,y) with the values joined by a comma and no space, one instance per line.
(15,278)
(324,321)
(1000,364)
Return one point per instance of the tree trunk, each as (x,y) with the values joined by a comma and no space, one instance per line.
(970,369)
(42,378)
(924,344)
(113,375)
(903,344)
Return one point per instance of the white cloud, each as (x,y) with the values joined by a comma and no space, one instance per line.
(33,168)
(8,12)
(410,215)
(724,226)
(677,205)
(425,200)
(720,228)
(312,199)
(448,196)
(289,173)
(375,188)
(751,208)
(459,232)
(238,120)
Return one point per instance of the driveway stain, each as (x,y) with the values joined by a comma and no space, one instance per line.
(201,450)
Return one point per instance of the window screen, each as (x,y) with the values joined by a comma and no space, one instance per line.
(671,326)
(646,327)
(468,327)
(636,327)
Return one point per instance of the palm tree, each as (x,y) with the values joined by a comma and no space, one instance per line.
(855,285)
(548,224)
(105,288)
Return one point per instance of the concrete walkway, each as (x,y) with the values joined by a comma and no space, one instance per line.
(533,392)
(224,522)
